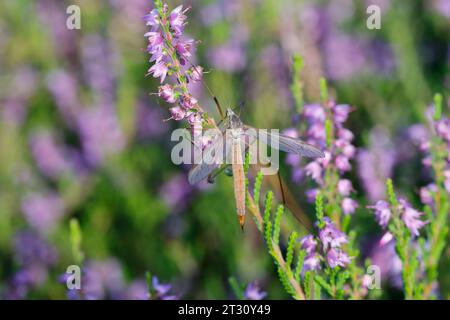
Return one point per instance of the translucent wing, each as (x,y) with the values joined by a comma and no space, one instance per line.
(210,161)
(286,144)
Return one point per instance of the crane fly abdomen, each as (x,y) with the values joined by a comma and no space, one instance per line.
(238,176)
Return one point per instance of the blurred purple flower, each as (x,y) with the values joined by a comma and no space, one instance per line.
(376,164)
(98,60)
(43,211)
(339,49)
(176,191)
(442,6)
(100,133)
(137,290)
(64,88)
(149,121)
(34,256)
(349,206)
(253,292)
(161,288)
(344,187)
(103,280)
(426,194)
(389,263)
(51,158)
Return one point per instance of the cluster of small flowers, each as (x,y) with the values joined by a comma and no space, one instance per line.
(331,239)
(442,130)
(409,216)
(337,155)
(35,256)
(170,53)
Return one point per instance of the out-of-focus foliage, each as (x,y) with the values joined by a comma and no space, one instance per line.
(85,170)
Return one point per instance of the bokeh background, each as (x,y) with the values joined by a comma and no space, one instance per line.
(82,136)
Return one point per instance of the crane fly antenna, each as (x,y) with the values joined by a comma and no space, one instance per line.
(241,106)
(216,101)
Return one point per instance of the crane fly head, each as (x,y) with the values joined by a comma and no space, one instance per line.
(235,121)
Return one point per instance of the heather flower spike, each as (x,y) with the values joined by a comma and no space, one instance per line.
(169,53)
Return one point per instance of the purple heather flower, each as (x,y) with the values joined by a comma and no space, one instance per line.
(330,236)
(159,70)
(348,150)
(184,48)
(385,239)
(382,212)
(312,262)
(188,102)
(317,132)
(426,194)
(167,93)
(155,42)
(196,73)
(349,205)
(177,20)
(443,129)
(160,288)
(345,134)
(152,19)
(308,243)
(411,219)
(43,211)
(253,292)
(447,180)
(340,113)
(314,113)
(343,163)
(177,113)
(293,159)
(344,187)
(311,195)
(314,170)
(337,257)
(290,132)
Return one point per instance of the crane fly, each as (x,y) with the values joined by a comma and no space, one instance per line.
(233,138)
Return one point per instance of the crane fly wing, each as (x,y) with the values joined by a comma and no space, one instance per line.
(286,144)
(210,160)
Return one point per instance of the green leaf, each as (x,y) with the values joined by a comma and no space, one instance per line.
(75,240)
(277,224)
(237,289)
